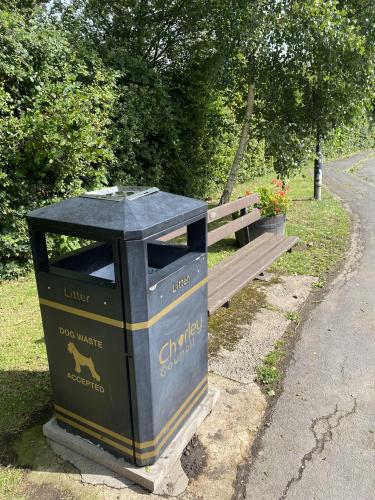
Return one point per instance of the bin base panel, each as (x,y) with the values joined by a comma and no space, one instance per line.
(150,477)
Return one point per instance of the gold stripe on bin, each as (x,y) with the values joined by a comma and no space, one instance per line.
(146,324)
(145,444)
(148,454)
(82,313)
(182,417)
(128,451)
(94,425)
(175,415)
(117,323)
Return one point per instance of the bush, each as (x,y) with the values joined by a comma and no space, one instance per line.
(173,131)
(54,113)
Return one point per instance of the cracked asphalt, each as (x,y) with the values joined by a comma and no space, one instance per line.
(320,439)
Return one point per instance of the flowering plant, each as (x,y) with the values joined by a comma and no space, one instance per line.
(273,201)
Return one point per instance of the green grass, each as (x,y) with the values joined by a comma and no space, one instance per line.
(24,380)
(268,373)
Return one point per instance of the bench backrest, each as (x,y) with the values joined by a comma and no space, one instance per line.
(221,211)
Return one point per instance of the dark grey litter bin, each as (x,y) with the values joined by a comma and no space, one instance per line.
(125,317)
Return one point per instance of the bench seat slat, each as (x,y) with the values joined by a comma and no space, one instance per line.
(233,278)
(239,254)
(249,260)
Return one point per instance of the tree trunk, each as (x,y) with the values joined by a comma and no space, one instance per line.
(244,140)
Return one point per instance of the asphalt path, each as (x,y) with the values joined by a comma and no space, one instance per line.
(320,440)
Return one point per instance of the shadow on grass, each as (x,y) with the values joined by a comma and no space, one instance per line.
(25,400)
(25,406)
(302,199)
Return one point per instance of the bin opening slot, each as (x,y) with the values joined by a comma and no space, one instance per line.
(161,255)
(95,260)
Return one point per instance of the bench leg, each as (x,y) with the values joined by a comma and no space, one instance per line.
(264,276)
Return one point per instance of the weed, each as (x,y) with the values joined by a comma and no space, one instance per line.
(318,284)
(292,316)
(268,373)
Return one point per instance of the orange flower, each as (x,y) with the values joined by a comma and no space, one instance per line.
(247,193)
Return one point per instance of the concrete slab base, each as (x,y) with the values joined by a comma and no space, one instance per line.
(163,477)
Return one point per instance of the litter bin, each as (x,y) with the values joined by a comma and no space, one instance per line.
(124,316)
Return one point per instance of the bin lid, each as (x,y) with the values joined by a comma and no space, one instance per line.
(129,212)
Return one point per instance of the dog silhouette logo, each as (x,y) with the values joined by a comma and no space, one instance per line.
(81,360)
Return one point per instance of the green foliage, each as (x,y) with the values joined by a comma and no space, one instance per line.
(55,110)
(142,133)
(255,162)
(174,124)
(179,140)
(356,136)
(320,76)
(208,134)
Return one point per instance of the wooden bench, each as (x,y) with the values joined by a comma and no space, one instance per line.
(233,273)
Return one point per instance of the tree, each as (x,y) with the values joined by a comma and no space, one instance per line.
(245,47)
(329,66)
(311,64)
(261,52)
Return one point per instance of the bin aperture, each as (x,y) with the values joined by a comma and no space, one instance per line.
(125,319)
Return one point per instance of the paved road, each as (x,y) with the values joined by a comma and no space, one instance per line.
(321,440)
